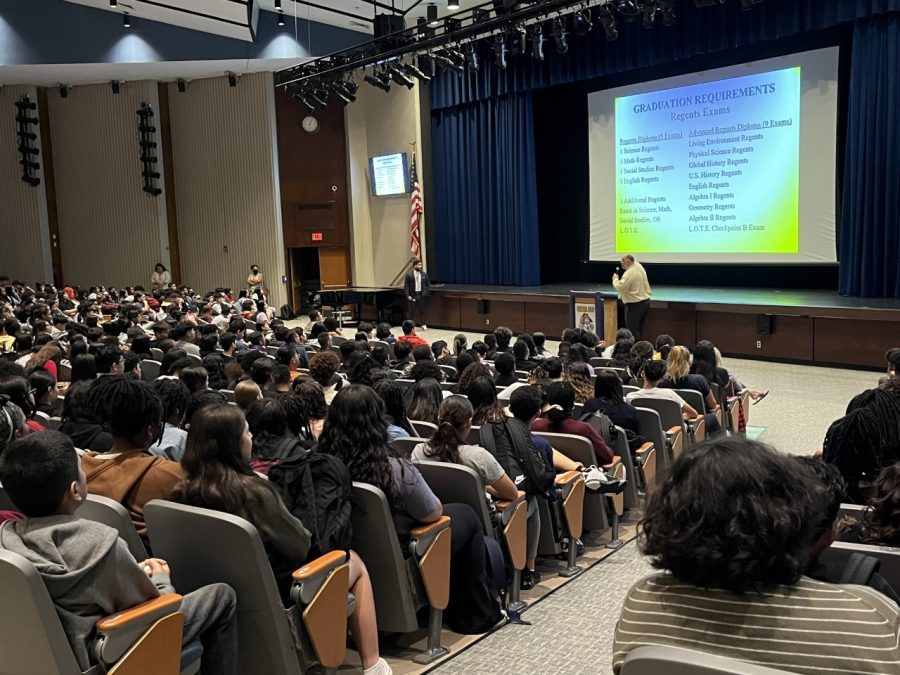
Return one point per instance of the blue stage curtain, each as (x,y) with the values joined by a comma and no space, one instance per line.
(485,193)
(870,221)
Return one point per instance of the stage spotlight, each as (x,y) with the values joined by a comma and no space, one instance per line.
(398,77)
(667,9)
(320,96)
(339,90)
(63,90)
(431,12)
(608,19)
(649,12)
(280,18)
(499,48)
(425,63)
(116,86)
(582,19)
(126,21)
(518,40)
(629,8)
(537,42)
(181,84)
(416,72)
(480,15)
(448,63)
(559,36)
(350,88)
(472,57)
(232,78)
(376,82)
(748,4)
(300,97)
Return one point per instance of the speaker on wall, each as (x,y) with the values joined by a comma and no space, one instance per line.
(765,324)
(481,306)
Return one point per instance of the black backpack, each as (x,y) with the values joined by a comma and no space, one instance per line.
(286,312)
(521,460)
(602,425)
(316,488)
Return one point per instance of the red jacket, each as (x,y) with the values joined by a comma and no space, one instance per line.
(413,340)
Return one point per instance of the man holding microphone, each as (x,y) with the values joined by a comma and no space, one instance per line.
(634,291)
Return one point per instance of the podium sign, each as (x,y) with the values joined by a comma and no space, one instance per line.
(594,311)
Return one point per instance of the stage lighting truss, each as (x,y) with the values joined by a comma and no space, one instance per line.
(510,28)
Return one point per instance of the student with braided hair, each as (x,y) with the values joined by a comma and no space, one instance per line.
(132,411)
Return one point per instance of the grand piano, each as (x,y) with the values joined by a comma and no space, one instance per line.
(370,303)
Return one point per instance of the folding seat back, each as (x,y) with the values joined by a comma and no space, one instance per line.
(670,418)
(204,546)
(337,340)
(54,423)
(448,386)
(375,344)
(156,353)
(404,383)
(228,394)
(150,370)
(404,446)
(474,435)
(656,659)
(65,373)
(840,552)
(6,503)
(43,419)
(196,360)
(620,448)
(111,513)
(423,429)
(272,351)
(403,585)
(627,389)
(651,428)
(449,371)
(600,362)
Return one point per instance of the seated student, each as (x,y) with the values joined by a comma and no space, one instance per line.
(678,376)
(734,583)
(383,333)
(13,424)
(195,378)
(621,353)
(332,326)
(707,361)
(261,372)
(281,379)
(442,355)
(503,336)
(557,419)
(218,476)
(245,393)
(392,396)
(523,356)
(654,372)
(176,398)
(313,399)
(272,440)
(425,401)
(664,344)
(228,343)
(410,335)
(490,346)
(128,473)
(297,419)
(323,370)
(424,369)
(880,522)
(356,433)
(17,390)
(402,356)
(622,335)
(577,374)
(610,400)
(287,356)
(110,360)
(829,478)
(540,341)
(87,569)
(505,365)
(483,396)
(80,422)
(46,395)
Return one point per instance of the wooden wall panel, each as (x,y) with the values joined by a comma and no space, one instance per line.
(680,323)
(499,313)
(735,333)
(551,318)
(24,254)
(859,343)
(443,311)
(312,175)
(223,144)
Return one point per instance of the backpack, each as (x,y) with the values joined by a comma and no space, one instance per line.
(316,488)
(518,456)
(602,425)
(286,312)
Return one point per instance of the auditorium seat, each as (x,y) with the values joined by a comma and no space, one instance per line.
(458,484)
(404,446)
(143,639)
(840,552)
(337,340)
(402,589)
(656,659)
(272,351)
(579,449)
(650,427)
(196,360)
(42,419)
(272,639)
(150,370)
(156,353)
(424,429)
(569,507)
(670,418)
(228,394)
(474,435)
(600,362)
(111,513)
(449,371)
(65,373)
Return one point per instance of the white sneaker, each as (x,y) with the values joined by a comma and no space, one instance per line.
(423,327)
(597,480)
(380,668)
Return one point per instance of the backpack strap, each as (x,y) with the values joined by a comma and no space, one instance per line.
(859,569)
(486,436)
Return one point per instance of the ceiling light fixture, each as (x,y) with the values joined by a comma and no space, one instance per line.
(376,82)
(558,27)
(608,20)
(537,42)
(126,20)
(452,4)
(400,78)
(500,50)
(431,12)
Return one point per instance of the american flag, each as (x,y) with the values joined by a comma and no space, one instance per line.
(415,210)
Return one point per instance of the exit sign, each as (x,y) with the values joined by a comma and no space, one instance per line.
(317,236)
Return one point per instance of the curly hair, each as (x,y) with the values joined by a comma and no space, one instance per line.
(733,514)
(471,373)
(356,433)
(323,366)
(313,398)
(579,376)
(126,406)
(881,520)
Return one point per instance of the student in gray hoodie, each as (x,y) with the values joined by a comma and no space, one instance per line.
(87,569)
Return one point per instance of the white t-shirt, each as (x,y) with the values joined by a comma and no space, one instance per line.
(656,392)
(473,456)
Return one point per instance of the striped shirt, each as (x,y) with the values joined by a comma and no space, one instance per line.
(811,627)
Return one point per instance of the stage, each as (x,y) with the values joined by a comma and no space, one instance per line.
(808,326)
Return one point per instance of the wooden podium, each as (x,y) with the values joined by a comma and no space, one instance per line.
(597,311)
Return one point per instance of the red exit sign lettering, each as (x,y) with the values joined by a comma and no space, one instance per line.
(317,236)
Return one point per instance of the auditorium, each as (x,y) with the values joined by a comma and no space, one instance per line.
(543,336)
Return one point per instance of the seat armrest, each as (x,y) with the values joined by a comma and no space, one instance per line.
(696,420)
(320,566)
(567,478)
(430,547)
(504,504)
(646,447)
(674,430)
(117,632)
(615,460)
(422,536)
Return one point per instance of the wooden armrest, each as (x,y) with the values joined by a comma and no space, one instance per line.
(503,504)
(164,604)
(674,430)
(566,478)
(430,528)
(646,447)
(696,420)
(615,460)
(321,564)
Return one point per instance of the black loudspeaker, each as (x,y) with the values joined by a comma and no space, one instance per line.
(481,306)
(385,24)
(764,324)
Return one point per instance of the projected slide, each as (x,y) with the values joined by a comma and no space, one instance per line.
(730,165)
(712,167)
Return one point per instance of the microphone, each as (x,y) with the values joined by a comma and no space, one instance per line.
(618,270)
